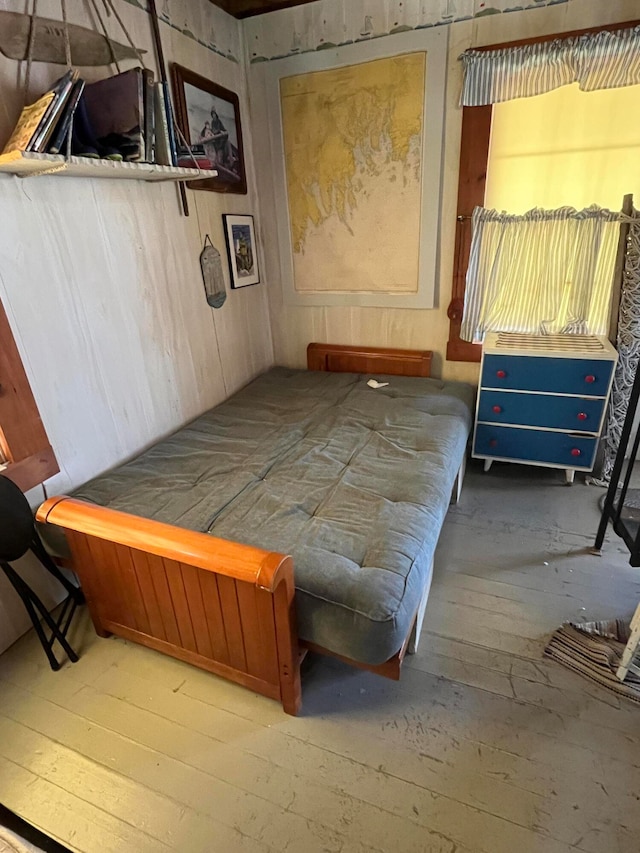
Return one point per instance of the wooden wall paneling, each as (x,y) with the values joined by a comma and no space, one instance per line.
(302,29)
(294,326)
(102,285)
(121,342)
(474,156)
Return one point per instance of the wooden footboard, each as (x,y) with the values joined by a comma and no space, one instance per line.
(225,607)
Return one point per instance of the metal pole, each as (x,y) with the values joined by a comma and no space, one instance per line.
(163,76)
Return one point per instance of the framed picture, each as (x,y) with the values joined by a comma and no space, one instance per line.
(209,119)
(241,248)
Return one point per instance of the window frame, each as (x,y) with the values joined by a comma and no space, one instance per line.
(23,439)
(472,177)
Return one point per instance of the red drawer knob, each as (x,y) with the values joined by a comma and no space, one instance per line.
(582,416)
(493,442)
(576,452)
(590,379)
(497,409)
(501,374)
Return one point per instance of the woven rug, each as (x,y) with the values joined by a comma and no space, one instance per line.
(594,649)
(631,508)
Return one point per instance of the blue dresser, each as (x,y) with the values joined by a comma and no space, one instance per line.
(542,399)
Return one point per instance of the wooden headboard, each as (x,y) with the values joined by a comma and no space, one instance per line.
(345,359)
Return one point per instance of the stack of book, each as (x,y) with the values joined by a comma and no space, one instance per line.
(124,117)
(43,126)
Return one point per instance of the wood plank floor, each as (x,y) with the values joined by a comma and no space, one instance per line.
(482,747)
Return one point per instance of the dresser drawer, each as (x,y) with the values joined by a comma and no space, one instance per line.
(577,414)
(530,445)
(559,375)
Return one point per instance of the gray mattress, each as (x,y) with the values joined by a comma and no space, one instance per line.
(353,482)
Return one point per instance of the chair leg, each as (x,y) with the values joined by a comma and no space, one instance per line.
(53,661)
(31,601)
(45,558)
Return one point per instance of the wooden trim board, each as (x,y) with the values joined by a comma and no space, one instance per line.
(23,439)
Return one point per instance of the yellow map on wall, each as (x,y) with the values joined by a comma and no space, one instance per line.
(353,161)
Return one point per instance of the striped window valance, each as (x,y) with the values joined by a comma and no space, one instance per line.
(602,60)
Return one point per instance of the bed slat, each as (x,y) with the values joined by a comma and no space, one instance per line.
(232,624)
(148,593)
(163,596)
(196,609)
(213,615)
(173,572)
(129,574)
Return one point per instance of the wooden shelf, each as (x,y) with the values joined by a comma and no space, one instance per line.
(25,164)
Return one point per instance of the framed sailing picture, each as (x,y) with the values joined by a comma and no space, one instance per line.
(208,118)
(241,249)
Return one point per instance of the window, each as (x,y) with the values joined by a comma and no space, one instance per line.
(24,444)
(565,147)
(492,184)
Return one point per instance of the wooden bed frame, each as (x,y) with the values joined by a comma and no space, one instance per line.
(224,607)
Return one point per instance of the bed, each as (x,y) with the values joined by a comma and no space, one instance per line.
(301,514)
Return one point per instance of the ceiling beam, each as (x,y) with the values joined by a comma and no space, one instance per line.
(247,8)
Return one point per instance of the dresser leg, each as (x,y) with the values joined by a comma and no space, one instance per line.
(487,464)
(569,474)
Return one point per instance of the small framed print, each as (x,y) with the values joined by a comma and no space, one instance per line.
(241,249)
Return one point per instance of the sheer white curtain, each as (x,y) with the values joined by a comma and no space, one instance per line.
(546,272)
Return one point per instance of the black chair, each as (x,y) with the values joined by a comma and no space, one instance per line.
(18,535)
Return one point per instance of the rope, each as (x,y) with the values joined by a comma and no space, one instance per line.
(106,34)
(65,24)
(628,345)
(108,4)
(32,41)
(46,170)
